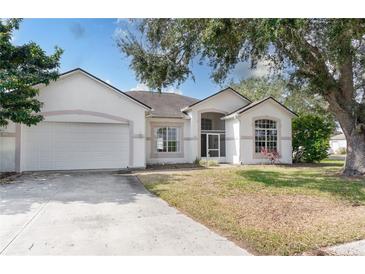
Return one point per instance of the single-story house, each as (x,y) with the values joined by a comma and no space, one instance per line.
(89,124)
(338,143)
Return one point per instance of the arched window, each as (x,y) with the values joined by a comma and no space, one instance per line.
(266,135)
(206,124)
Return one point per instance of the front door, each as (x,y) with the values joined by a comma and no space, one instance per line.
(213,145)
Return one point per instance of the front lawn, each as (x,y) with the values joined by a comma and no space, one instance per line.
(279,210)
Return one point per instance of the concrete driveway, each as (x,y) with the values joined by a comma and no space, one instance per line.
(96,213)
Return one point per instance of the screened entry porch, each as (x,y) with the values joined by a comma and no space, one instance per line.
(213,137)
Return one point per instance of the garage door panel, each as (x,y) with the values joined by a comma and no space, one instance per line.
(62,146)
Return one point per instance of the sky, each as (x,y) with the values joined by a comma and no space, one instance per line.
(90,44)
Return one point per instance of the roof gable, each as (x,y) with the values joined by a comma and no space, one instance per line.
(229,89)
(257,103)
(94,78)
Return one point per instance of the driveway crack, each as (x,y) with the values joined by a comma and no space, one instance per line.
(24,227)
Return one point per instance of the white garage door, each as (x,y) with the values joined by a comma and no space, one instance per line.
(64,146)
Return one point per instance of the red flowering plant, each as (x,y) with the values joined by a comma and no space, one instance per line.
(272,155)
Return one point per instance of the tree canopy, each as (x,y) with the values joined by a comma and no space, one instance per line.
(323,56)
(21,67)
(261,87)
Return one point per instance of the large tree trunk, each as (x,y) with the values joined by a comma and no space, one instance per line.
(354,132)
(355,159)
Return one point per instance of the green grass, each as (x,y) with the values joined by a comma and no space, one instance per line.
(278,210)
(332,162)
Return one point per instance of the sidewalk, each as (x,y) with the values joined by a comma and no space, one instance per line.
(350,249)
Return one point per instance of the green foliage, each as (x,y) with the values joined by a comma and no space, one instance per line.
(196,161)
(278,87)
(322,56)
(22,67)
(205,163)
(259,88)
(311,134)
(208,163)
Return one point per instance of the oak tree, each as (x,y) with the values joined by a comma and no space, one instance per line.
(327,56)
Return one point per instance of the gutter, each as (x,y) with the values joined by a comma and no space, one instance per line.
(231,116)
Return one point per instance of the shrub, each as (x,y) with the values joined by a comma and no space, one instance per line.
(272,156)
(212,163)
(208,163)
(196,161)
(311,135)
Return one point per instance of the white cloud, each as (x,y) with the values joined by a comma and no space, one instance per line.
(120,33)
(126,27)
(121,21)
(13,38)
(108,81)
(261,70)
(142,87)
(175,91)
(122,28)
(243,70)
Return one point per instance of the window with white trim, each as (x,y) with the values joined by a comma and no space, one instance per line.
(206,124)
(167,139)
(266,135)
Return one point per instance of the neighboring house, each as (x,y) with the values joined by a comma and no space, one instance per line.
(89,124)
(338,143)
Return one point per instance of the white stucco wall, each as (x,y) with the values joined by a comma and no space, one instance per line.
(156,158)
(7,148)
(266,110)
(224,103)
(194,135)
(78,91)
(337,144)
(233,141)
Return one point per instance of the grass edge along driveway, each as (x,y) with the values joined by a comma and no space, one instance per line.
(269,210)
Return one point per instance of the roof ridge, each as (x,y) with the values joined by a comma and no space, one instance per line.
(164,93)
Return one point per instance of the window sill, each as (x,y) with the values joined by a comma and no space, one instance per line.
(167,155)
(259,156)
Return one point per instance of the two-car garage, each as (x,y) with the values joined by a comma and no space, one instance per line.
(88,124)
(64,146)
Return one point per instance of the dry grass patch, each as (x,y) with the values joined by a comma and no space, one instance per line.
(270,210)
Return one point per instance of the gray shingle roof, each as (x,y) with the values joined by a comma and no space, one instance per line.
(163,104)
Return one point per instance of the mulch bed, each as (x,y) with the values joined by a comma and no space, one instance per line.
(6,174)
(6,177)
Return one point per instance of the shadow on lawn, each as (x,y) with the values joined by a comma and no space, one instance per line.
(333,163)
(352,190)
(156,186)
